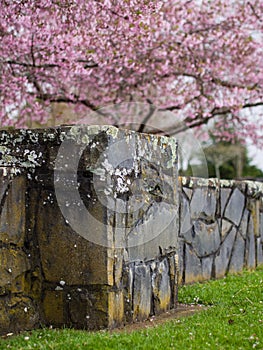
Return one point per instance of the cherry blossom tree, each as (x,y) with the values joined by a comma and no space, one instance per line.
(199,60)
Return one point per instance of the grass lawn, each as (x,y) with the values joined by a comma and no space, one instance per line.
(233,319)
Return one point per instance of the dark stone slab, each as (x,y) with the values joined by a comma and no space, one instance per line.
(244,224)
(238,255)
(259,251)
(203,204)
(224,254)
(193,267)
(206,238)
(142,292)
(185,219)
(207,267)
(235,207)
(161,286)
(250,245)
(224,196)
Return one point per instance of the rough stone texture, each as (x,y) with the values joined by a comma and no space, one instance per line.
(224,255)
(203,204)
(238,255)
(235,207)
(193,268)
(92,234)
(250,245)
(227,231)
(142,292)
(161,286)
(206,238)
(207,267)
(86,212)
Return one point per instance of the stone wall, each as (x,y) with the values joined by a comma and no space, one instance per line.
(221,227)
(96,230)
(88,227)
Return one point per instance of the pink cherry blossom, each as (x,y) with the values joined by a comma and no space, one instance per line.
(199,59)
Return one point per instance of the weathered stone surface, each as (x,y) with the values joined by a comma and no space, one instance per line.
(17,313)
(181,260)
(188,192)
(203,204)
(254,207)
(173,261)
(88,307)
(12,215)
(261,226)
(64,254)
(259,251)
(235,206)
(244,224)
(224,196)
(80,246)
(13,265)
(238,255)
(223,257)
(185,219)
(207,267)
(142,292)
(251,245)
(193,268)
(206,239)
(226,227)
(53,307)
(161,286)
(115,309)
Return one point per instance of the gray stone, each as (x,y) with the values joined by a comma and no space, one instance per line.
(207,266)
(181,261)
(238,255)
(226,227)
(224,196)
(173,261)
(203,204)
(244,224)
(207,238)
(161,287)
(251,245)
(193,268)
(261,226)
(259,252)
(224,254)
(142,292)
(188,192)
(235,206)
(185,219)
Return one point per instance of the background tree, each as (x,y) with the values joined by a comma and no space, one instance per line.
(200,60)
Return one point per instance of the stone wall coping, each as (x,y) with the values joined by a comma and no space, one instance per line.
(253,188)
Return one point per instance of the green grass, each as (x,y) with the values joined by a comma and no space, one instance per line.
(233,319)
